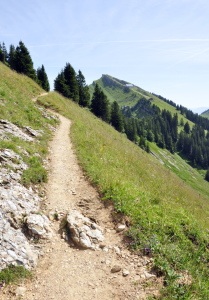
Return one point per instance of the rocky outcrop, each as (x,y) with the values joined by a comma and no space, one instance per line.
(18,208)
(7,128)
(16,200)
(84,233)
(14,246)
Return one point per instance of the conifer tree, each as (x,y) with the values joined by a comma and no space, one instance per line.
(187,127)
(84,95)
(1,54)
(71,82)
(43,79)
(59,83)
(12,57)
(100,104)
(116,119)
(23,61)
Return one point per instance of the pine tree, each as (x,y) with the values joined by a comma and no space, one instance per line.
(187,128)
(43,79)
(23,61)
(5,53)
(59,83)
(116,119)
(1,54)
(12,57)
(84,95)
(100,104)
(71,82)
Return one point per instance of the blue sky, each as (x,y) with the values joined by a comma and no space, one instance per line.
(160,45)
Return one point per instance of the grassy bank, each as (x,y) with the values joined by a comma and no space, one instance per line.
(17,107)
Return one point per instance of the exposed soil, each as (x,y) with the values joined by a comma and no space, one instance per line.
(66,272)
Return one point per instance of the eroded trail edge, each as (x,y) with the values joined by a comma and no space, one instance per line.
(67,272)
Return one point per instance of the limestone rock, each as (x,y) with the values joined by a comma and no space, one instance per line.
(120,227)
(32,131)
(16,202)
(39,225)
(7,127)
(83,231)
(20,291)
(14,247)
(125,273)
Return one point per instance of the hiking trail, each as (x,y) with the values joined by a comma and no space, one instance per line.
(65,272)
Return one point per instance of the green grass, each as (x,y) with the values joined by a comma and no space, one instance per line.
(14,274)
(191,176)
(169,219)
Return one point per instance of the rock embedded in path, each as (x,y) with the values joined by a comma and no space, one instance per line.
(83,231)
(116,268)
(120,227)
(20,291)
(125,273)
(39,225)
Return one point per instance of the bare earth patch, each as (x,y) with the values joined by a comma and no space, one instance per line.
(67,272)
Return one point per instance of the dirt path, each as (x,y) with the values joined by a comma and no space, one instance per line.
(65,272)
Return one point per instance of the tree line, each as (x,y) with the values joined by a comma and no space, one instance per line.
(189,114)
(19,59)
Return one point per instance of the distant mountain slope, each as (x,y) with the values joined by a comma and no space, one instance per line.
(205,114)
(127,94)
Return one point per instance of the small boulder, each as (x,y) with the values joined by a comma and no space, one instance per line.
(115,269)
(39,224)
(125,273)
(120,227)
(20,291)
(83,231)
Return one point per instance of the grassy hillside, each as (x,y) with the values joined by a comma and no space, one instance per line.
(169,219)
(16,106)
(115,91)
